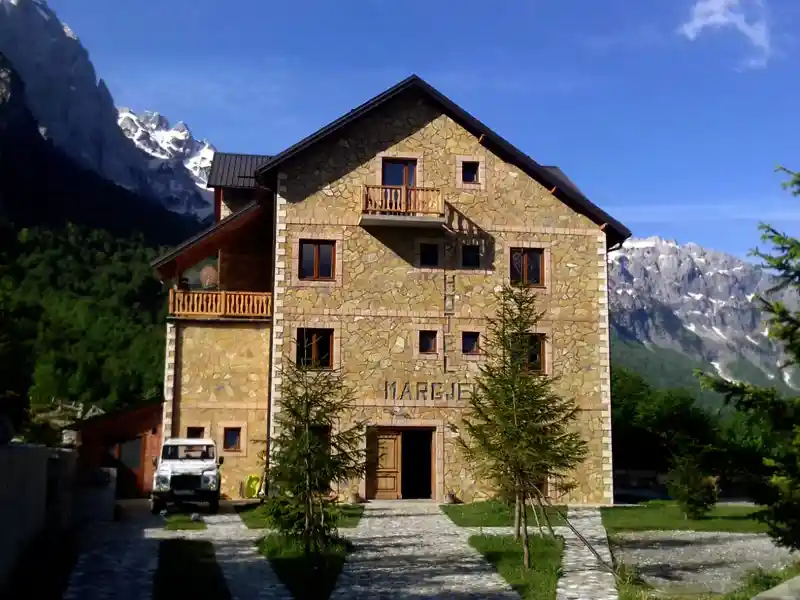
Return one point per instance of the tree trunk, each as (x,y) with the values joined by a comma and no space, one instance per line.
(546,516)
(536,518)
(526,550)
(517,515)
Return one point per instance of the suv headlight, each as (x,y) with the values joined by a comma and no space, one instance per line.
(210,480)
(162,482)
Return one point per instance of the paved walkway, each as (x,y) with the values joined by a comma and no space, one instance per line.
(408,549)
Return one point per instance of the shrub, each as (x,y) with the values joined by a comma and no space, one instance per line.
(695,492)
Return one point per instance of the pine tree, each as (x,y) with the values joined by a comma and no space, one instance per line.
(520,432)
(312,450)
(775,420)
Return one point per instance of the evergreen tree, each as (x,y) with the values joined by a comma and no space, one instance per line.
(519,431)
(312,450)
(775,419)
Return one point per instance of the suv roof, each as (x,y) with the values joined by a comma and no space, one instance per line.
(189,442)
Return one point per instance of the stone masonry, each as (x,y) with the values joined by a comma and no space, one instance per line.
(381,298)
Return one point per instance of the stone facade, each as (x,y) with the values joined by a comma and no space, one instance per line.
(222,370)
(381,298)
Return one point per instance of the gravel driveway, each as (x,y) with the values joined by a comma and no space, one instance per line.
(690,561)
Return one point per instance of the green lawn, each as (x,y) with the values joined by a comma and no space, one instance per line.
(313,580)
(255,516)
(754,583)
(660,515)
(183,521)
(493,513)
(505,554)
(188,569)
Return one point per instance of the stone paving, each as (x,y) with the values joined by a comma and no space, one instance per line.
(403,550)
(410,549)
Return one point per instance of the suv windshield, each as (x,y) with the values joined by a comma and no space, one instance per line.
(187,452)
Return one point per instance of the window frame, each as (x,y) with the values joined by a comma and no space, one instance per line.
(300,348)
(316,243)
(198,437)
(435,350)
(477,172)
(523,282)
(437,247)
(477,350)
(542,338)
(238,448)
(478,256)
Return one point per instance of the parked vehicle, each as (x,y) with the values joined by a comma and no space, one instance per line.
(187,470)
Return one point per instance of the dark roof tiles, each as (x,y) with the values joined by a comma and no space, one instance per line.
(235,170)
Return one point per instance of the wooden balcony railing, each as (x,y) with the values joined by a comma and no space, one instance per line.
(403,201)
(215,305)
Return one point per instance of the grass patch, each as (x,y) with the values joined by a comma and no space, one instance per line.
(55,550)
(313,580)
(494,513)
(182,521)
(188,569)
(660,515)
(505,554)
(632,588)
(255,516)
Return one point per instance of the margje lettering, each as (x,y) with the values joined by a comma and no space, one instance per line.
(422,391)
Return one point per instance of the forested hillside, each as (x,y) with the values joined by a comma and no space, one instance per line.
(81,319)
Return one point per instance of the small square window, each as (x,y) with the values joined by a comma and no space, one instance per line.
(428,255)
(470,342)
(427,342)
(195,433)
(469,171)
(535,357)
(471,256)
(315,348)
(232,439)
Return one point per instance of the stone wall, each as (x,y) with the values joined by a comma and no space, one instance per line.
(381,298)
(221,381)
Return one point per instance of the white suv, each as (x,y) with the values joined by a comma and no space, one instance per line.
(187,470)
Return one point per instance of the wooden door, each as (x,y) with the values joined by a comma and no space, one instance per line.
(130,469)
(383,470)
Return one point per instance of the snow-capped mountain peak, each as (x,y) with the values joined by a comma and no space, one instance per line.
(151,132)
(75,110)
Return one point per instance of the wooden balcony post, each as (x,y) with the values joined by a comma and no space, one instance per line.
(171,301)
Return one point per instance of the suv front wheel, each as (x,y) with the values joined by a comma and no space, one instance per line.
(156,505)
(213,505)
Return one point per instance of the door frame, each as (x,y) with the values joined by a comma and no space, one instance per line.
(436,427)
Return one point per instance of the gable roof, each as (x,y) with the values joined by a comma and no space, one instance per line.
(235,170)
(563,188)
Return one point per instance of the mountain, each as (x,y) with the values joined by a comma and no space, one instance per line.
(152,134)
(41,185)
(76,112)
(674,304)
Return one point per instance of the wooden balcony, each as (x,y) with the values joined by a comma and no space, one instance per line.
(191,304)
(400,206)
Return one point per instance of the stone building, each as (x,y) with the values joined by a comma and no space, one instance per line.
(374,246)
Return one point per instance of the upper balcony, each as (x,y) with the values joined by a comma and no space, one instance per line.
(202,304)
(402,206)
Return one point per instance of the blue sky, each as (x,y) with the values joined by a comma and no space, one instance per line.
(670,114)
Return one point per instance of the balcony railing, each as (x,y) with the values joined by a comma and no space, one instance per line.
(218,305)
(401,201)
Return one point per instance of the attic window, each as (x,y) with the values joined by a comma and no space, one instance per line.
(469,171)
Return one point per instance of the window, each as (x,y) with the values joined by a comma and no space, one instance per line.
(195,432)
(428,255)
(470,256)
(427,342)
(527,266)
(186,452)
(469,171)
(469,342)
(232,439)
(399,172)
(316,259)
(535,359)
(315,348)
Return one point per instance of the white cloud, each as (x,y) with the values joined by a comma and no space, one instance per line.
(748,17)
